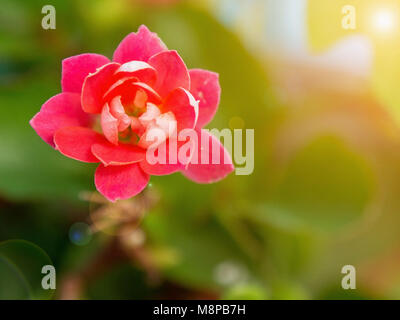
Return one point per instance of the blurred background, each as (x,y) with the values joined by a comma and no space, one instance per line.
(325,106)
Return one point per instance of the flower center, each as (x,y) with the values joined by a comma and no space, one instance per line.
(130,117)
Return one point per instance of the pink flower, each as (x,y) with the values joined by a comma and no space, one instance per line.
(107,110)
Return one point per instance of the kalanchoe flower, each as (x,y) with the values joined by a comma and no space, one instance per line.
(107,110)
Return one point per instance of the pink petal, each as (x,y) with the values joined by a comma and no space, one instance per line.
(121,82)
(76,143)
(122,154)
(208,173)
(109,125)
(151,113)
(62,110)
(171,72)
(140,99)
(139,69)
(117,110)
(167,123)
(138,46)
(95,85)
(185,108)
(152,136)
(137,126)
(205,87)
(152,95)
(124,123)
(168,166)
(129,89)
(75,69)
(120,182)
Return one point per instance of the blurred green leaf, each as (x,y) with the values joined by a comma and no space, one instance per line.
(246,292)
(199,247)
(325,187)
(285,290)
(121,282)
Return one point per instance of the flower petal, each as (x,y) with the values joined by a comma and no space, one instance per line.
(109,125)
(152,96)
(203,172)
(171,72)
(94,87)
(76,143)
(117,110)
(62,110)
(138,46)
(75,69)
(167,123)
(140,70)
(149,115)
(184,106)
(128,89)
(167,165)
(205,87)
(120,182)
(122,154)
(120,83)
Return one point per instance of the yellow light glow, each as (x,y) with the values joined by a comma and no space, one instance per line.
(384,20)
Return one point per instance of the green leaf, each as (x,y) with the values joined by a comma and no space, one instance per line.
(198,248)
(325,187)
(246,292)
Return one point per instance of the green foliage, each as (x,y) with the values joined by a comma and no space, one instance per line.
(246,292)
(325,187)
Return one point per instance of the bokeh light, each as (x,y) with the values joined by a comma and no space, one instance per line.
(384,20)
(80,234)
